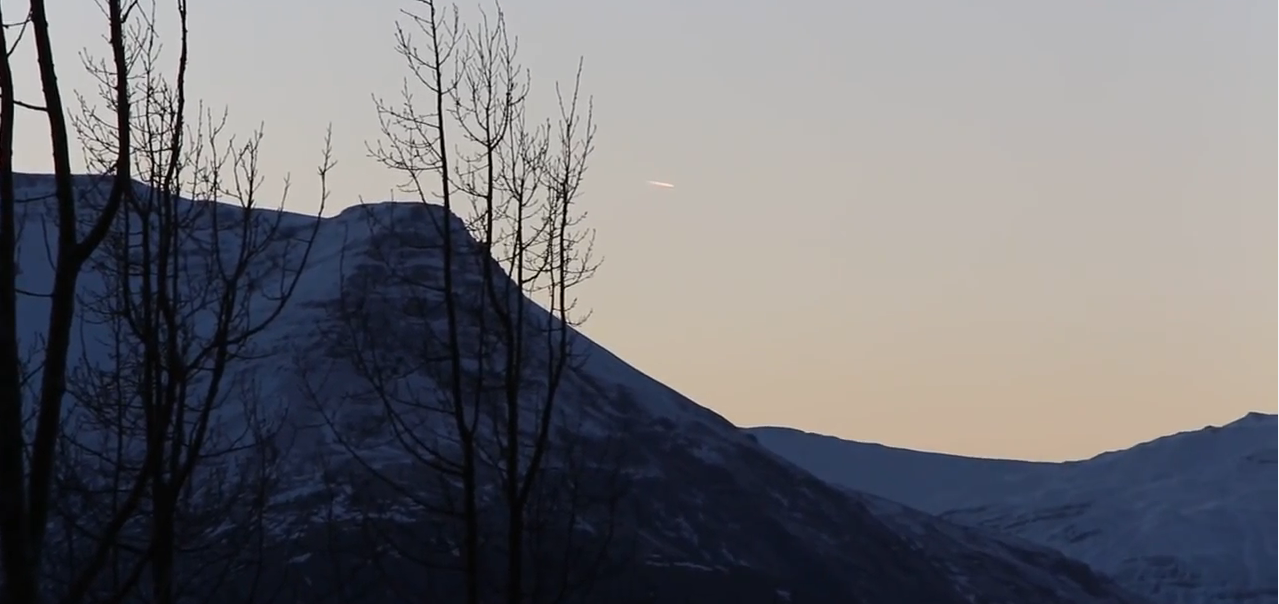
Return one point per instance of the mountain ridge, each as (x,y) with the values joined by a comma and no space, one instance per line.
(1184,518)
(1248,416)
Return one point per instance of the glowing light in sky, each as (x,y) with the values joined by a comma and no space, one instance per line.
(664,185)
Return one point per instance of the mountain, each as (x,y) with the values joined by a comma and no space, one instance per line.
(712,515)
(1188,518)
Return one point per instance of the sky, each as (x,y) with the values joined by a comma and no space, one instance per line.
(1037,230)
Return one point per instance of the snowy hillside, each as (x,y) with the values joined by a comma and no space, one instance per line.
(712,515)
(1185,519)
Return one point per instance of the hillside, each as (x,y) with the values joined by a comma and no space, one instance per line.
(1185,519)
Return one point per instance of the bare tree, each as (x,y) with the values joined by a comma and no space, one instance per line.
(27,465)
(164,462)
(190,284)
(455,368)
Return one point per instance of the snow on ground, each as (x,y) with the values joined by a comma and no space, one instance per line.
(1186,519)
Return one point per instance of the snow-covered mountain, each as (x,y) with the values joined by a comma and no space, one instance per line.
(1188,518)
(714,515)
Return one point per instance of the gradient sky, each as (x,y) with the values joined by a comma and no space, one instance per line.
(1003,228)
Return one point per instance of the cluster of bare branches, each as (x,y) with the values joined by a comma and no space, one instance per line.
(137,461)
(451,367)
(143,465)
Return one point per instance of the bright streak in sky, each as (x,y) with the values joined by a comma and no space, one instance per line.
(664,185)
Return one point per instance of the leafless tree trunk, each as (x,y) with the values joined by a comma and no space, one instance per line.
(27,465)
(460,368)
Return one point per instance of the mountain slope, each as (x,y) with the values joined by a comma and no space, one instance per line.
(714,516)
(1185,519)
